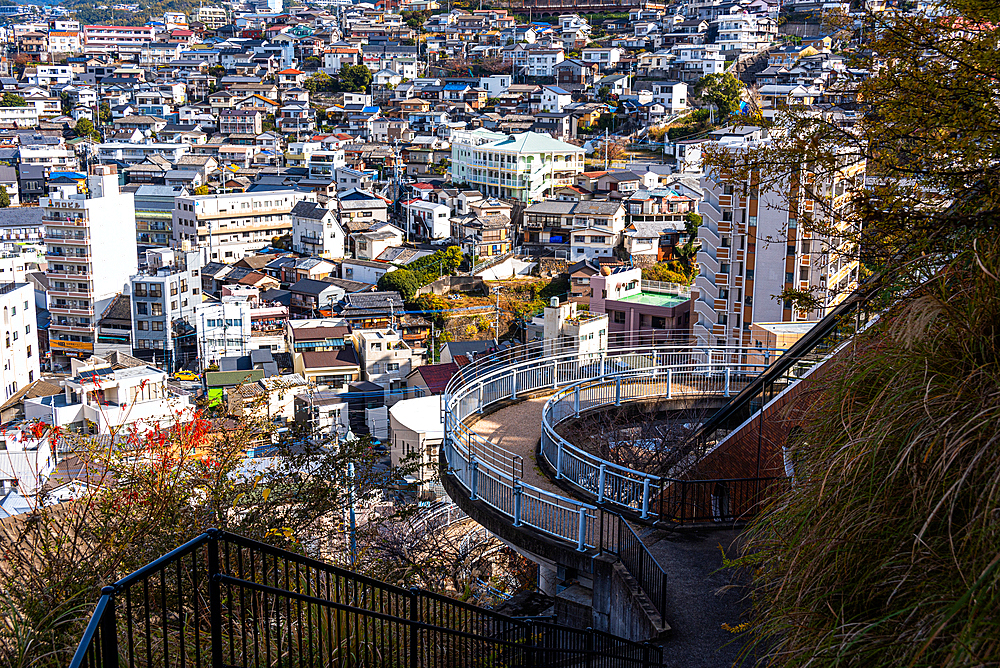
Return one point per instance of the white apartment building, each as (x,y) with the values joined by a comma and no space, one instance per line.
(519,166)
(212,17)
(671,94)
(745,32)
(564,327)
(542,62)
(427,220)
(753,248)
(385,360)
(223,330)
(231,226)
(316,231)
(133,153)
(91,253)
(50,158)
(19,361)
(116,39)
(26,463)
(46,75)
(22,117)
(98,399)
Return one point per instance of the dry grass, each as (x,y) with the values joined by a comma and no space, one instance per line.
(887,550)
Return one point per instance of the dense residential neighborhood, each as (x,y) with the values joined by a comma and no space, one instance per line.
(481,299)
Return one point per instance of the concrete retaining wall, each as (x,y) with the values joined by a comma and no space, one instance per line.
(620,606)
(455,283)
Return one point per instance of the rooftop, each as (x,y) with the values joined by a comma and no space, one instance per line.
(654,299)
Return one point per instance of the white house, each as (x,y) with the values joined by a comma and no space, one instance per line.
(542,62)
(427,220)
(316,231)
(554,99)
(671,94)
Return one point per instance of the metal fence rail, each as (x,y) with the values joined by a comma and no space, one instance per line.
(223,601)
(490,473)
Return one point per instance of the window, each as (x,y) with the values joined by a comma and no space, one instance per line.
(29,351)
(140,289)
(392,366)
(619,317)
(157,309)
(157,325)
(723,267)
(142,325)
(141,308)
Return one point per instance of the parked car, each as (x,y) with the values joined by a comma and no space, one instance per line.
(186,375)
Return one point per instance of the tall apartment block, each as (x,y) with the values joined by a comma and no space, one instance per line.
(91,253)
(19,361)
(753,248)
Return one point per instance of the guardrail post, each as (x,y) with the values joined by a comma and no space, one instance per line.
(618,390)
(414,618)
(670,383)
(480,408)
(576,401)
(518,490)
(473,471)
(215,597)
(555,372)
(581,531)
(725,391)
(513,385)
(590,647)
(645,498)
(558,458)
(600,484)
(604,355)
(109,630)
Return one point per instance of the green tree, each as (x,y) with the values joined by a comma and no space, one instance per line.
(604,93)
(4,197)
(692,221)
(403,281)
(202,190)
(14,100)
(85,128)
(724,91)
(104,113)
(319,82)
(354,78)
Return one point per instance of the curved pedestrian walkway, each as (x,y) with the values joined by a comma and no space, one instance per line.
(517,428)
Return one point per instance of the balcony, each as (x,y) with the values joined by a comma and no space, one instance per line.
(74,238)
(69,326)
(56,254)
(72,276)
(71,309)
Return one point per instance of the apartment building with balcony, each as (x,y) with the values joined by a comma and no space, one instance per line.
(584,230)
(164,297)
(91,253)
(240,121)
(316,231)
(385,360)
(99,39)
(231,226)
(19,362)
(154,207)
(522,166)
(564,327)
(753,247)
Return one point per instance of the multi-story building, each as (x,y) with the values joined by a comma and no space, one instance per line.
(240,121)
(385,360)
(19,365)
(116,39)
(231,226)
(212,17)
(317,231)
(223,330)
(22,117)
(753,248)
(518,166)
(154,207)
(164,298)
(91,253)
(582,230)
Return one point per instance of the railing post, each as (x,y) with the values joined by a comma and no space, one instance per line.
(576,401)
(604,355)
(215,597)
(600,484)
(618,390)
(473,473)
(518,491)
(670,383)
(645,498)
(581,531)
(480,409)
(725,391)
(555,372)
(513,385)
(414,618)
(558,457)
(109,630)
(590,647)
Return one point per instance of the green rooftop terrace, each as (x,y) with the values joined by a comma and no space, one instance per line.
(654,299)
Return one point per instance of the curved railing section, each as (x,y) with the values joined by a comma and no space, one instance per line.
(494,475)
(618,486)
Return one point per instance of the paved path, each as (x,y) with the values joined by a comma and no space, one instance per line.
(518,428)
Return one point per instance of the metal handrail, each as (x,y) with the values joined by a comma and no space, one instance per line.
(492,382)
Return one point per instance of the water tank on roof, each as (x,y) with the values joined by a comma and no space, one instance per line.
(554,302)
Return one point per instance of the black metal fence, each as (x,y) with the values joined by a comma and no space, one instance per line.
(720,501)
(641,564)
(224,601)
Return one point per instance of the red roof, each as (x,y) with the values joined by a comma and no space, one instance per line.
(461,360)
(422,186)
(289,71)
(436,376)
